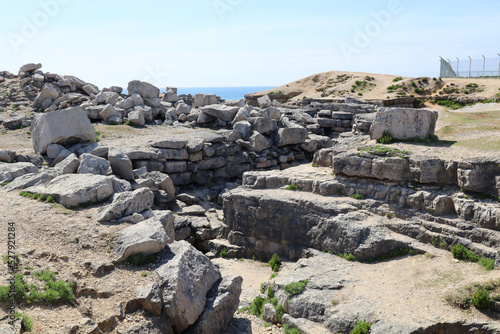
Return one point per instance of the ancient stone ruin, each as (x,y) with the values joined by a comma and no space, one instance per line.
(243,179)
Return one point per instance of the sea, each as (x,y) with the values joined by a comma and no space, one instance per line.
(225,93)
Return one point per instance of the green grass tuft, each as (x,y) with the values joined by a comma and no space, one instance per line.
(293,187)
(287,329)
(348,257)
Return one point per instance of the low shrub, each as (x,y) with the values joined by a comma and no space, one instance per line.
(386,138)
(488,264)
(361,327)
(357,196)
(460,252)
(223,252)
(481,299)
(257,306)
(275,262)
(141,259)
(449,104)
(295,288)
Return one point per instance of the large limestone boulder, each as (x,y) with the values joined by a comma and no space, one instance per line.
(244,128)
(127,203)
(264,101)
(8,172)
(48,92)
(290,136)
(71,190)
(201,100)
(147,237)
(14,122)
(31,179)
(185,279)
(162,181)
(68,165)
(69,126)
(31,67)
(149,296)
(222,301)
(259,143)
(7,155)
(108,112)
(221,111)
(120,164)
(481,175)
(144,89)
(136,117)
(404,123)
(91,164)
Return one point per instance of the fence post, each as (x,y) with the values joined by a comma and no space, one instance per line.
(470,65)
(458,63)
(498,65)
(484,64)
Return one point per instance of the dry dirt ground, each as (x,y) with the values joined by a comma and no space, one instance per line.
(50,236)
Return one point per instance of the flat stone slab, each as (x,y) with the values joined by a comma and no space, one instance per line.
(71,190)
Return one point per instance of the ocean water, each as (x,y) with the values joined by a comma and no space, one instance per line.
(226,93)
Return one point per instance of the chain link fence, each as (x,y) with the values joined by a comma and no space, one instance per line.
(470,68)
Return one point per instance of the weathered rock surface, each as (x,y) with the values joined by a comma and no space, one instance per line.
(404,123)
(68,165)
(221,112)
(67,127)
(399,168)
(120,164)
(150,297)
(480,175)
(265,222)
(162,180)
(9,172)
(127,203)
(290,136)
(146,237)
(136,117)
(14,122)
(91,164)
(222,303)
(185,279)
(144,89)
(7,155)
(48,92)
(71,190)
(30,179)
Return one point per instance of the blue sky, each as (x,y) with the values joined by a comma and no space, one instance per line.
(203,43)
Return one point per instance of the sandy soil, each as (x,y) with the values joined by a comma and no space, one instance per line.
(315,85)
